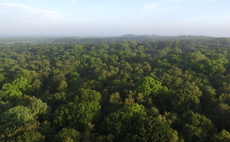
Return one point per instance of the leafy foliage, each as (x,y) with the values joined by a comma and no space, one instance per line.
(17,114)
(143,90)
(76,115)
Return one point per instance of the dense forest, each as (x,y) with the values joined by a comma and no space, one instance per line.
(130,91)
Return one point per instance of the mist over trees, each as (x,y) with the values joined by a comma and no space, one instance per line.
(105,89)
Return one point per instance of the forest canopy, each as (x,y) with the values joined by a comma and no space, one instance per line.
(132,90)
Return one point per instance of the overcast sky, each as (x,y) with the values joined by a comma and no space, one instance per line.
(115,17)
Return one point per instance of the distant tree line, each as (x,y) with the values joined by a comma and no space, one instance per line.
(84,40)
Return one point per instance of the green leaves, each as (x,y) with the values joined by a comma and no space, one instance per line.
(17,114)
(154,130)
(196,127)
(122,122)
(68,135)
(209,67)
(31,136)
(76,115)
(186,98)
(87,95)
(19,123)
(38,107)
(150,87)
(131,123)
(16,88)
(222,136)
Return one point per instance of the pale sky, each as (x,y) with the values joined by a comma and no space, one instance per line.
(115,17)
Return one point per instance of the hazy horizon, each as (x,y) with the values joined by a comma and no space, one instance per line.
(114,18)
